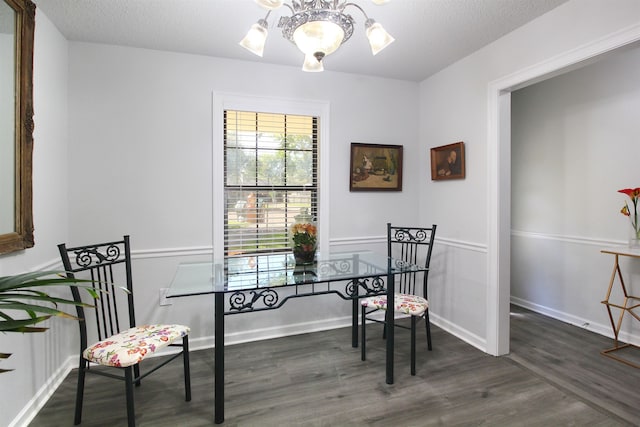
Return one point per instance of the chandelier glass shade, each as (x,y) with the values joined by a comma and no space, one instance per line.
(312,64)
(256,37)
(317,27)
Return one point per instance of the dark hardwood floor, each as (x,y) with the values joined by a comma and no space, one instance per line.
(554,376)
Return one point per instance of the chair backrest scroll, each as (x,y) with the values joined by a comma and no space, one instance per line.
(411,245)
(108,265)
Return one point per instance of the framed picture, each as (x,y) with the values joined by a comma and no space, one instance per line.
(447,162)
(375,167)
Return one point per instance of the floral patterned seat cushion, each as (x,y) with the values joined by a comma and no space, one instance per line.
(133,345)
(404,303)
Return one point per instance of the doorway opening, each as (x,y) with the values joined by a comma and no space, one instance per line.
(499,171)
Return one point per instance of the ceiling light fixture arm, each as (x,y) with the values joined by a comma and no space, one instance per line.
(368,21)
(357,7)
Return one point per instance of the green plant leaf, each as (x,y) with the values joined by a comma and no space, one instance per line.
(24,293)
(38,279)
(5,356)
(42,297)
(32,309)
(23,325)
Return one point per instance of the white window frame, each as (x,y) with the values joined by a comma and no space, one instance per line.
(224,101)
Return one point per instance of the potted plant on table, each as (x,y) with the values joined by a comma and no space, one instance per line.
(304,235)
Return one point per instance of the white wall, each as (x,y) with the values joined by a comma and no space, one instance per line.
(454,107)
(574,144)
(37,358)
(144,117)
(140,156)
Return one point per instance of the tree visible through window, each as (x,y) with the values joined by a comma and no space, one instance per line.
(270,176)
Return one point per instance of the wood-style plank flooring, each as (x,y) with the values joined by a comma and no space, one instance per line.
(554,376)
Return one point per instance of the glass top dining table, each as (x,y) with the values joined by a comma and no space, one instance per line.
(251,283)
(254,272)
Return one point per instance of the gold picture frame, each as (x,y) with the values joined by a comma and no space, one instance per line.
(375,167)
(19,25)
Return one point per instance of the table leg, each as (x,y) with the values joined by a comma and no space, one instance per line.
(390,320)
(218,399)
(355,305)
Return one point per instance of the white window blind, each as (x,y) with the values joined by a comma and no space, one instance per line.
(270,176)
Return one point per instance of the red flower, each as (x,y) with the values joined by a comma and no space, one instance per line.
(633,193)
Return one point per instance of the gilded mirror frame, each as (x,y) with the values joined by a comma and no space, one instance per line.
(22,237)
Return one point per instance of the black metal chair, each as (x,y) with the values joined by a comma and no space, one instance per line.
(121,344)
(411,245)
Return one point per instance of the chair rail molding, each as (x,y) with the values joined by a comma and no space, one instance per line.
(591,241)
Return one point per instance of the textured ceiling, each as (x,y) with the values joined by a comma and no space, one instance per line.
(430,34)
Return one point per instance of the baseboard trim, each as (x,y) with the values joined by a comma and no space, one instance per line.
(598,328)
(203,343)
(458,332)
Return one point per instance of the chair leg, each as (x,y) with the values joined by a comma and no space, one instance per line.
(363,334)
(128,379)
(428,325)
(413,345)
(136,374)
(187,369)
(80,390)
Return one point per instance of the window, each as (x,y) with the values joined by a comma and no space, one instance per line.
(270,176)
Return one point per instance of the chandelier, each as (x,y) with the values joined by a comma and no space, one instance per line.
(317,27)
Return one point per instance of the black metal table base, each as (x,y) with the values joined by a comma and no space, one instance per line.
(269,299)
